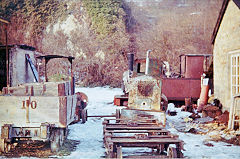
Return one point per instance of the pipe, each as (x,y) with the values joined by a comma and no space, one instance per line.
(130,57)
(147,62)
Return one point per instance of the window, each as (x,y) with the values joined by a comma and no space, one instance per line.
(235,74)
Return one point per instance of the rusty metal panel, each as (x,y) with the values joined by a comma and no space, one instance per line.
(194,66)
(61,89)
(63,110)
(135,114)
(155,66)
(145,93)
(181,88)
(67,109)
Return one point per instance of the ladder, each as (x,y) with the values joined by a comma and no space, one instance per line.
(234,115)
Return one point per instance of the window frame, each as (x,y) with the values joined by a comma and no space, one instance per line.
(235,72)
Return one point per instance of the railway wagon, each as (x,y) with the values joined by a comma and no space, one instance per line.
(31,110)
(36,111)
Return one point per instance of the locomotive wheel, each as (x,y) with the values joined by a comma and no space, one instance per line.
(172,152)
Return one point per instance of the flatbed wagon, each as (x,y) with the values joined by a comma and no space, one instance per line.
(40,110)
(147,133)
(36,117)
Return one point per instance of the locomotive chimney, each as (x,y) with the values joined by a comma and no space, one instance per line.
(147,62)
(130,57)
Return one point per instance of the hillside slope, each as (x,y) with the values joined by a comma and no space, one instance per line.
(100,33)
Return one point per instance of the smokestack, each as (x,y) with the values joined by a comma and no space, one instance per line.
(147,62)
(130,57)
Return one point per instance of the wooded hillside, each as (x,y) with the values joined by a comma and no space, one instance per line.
(100,33)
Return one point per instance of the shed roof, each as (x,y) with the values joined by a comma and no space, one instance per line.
(55,56)
(220,17)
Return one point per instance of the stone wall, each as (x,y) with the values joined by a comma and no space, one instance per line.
(227,41)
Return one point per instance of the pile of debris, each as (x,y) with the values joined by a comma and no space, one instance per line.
(209,121)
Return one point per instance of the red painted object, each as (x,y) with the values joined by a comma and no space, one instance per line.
(177,89)
(120,100)
(194,66)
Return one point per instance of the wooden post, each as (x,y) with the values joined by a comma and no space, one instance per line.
(7,58)
(119,152)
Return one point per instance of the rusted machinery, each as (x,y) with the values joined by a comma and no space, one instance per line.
(142,124)
(39,111)
(185,84)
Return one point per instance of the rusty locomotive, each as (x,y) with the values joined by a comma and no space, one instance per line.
(142,123)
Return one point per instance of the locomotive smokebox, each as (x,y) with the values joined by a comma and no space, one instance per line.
(145,93)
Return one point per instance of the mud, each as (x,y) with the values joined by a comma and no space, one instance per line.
(41,150)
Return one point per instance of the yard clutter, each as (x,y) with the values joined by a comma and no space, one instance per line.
(211,122)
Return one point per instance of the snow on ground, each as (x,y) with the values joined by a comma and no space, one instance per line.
(194,144)
(101,103)
(90,134)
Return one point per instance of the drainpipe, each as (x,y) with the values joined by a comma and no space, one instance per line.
(147,62)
